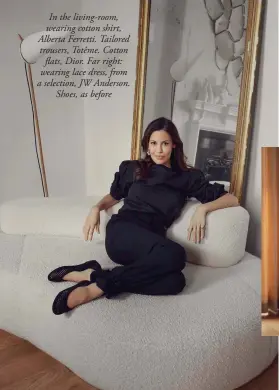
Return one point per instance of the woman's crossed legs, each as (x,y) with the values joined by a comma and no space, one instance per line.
(149,264)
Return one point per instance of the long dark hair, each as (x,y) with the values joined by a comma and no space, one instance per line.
(178,160)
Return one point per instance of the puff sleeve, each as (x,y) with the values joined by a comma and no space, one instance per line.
(123,180)
(201,189)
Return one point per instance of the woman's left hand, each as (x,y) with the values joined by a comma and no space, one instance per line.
(196,228)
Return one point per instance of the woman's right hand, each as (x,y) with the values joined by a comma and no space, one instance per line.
(92,223)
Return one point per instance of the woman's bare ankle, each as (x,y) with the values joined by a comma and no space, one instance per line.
(94,291)
(78,276)
(84,295)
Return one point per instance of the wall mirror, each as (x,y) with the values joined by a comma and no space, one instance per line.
(196,65)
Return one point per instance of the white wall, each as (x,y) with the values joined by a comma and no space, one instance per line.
(265,131)
(83,140)
(108,122)
(61,121)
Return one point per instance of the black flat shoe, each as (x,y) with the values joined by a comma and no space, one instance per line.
(58,274)
(59,305)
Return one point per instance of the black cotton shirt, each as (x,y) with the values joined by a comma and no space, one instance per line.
(164,193)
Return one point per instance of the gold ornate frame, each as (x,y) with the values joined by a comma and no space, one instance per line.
(143,39)
(244,120)
(269,231)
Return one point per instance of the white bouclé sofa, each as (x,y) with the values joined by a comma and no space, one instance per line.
(206,338)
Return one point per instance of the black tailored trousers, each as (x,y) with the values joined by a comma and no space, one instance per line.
(150,263)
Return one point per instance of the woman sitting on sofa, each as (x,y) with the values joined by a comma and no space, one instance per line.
(155,190)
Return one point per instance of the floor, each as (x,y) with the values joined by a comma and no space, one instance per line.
(24,367)
(270,326)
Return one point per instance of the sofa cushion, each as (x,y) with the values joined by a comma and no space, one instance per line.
(137,342)
(223,246)
(62,216)
(225,236)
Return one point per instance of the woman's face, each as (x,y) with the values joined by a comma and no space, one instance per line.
(160,147)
